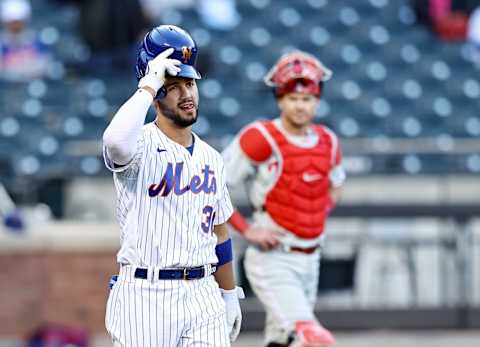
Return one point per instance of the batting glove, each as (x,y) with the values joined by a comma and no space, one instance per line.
(156,69)
(234,313)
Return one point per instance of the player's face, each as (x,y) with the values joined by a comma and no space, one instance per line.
(180,105)
(298,109)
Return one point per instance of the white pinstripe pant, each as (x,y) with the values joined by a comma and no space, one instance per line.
(165,313)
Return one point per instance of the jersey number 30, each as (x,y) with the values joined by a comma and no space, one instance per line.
(207,219)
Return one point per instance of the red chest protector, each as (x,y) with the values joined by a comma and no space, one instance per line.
(299,198)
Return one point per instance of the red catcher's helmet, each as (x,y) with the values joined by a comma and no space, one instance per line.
(297,72)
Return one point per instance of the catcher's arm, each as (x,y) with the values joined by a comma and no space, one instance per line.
(249,149)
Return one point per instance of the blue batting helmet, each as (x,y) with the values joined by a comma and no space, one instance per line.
(162,38)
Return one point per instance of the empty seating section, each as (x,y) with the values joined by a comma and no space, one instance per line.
(392,80)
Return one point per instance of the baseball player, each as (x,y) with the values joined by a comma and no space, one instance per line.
(293,172)
(175,286)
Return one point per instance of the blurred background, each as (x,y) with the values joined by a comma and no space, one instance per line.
(401,264)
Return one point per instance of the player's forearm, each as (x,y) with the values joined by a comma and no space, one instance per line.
(224,276)
(238,222)
(223,250)
(121,136)
(335,193)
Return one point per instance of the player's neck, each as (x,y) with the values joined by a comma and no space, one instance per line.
(293,129)
(182,136)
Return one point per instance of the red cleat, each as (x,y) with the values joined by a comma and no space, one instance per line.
(312,334)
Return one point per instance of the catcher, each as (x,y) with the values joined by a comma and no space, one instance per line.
(293,171)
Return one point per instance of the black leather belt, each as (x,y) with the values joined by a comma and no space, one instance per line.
(191,273)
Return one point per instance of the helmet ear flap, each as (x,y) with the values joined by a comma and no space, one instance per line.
(142,63)
(274,91)
(162,92)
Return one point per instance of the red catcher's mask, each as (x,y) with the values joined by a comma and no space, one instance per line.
(297,72)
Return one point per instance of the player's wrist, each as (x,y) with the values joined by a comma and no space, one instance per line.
(149,90)
(249,234)
(151,81)
(236,292)
(252,235)
(227,291)
(238,221)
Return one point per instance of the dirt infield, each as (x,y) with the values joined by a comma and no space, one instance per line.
(372,339)
(468,338)
(388,339)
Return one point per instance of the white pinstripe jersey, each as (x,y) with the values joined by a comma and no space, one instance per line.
(168,201)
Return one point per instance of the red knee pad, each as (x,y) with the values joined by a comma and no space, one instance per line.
(311,334)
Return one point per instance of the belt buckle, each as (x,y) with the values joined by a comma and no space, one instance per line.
(185,273)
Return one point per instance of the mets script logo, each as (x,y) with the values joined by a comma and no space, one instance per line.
(172,179)
(186,54)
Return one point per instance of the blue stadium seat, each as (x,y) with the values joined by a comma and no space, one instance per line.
(392,78)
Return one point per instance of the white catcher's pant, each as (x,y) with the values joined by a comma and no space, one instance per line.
(165,313)
(286,284)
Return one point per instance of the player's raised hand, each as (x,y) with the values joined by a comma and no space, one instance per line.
(264,237)
(233,311)
(157,68)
